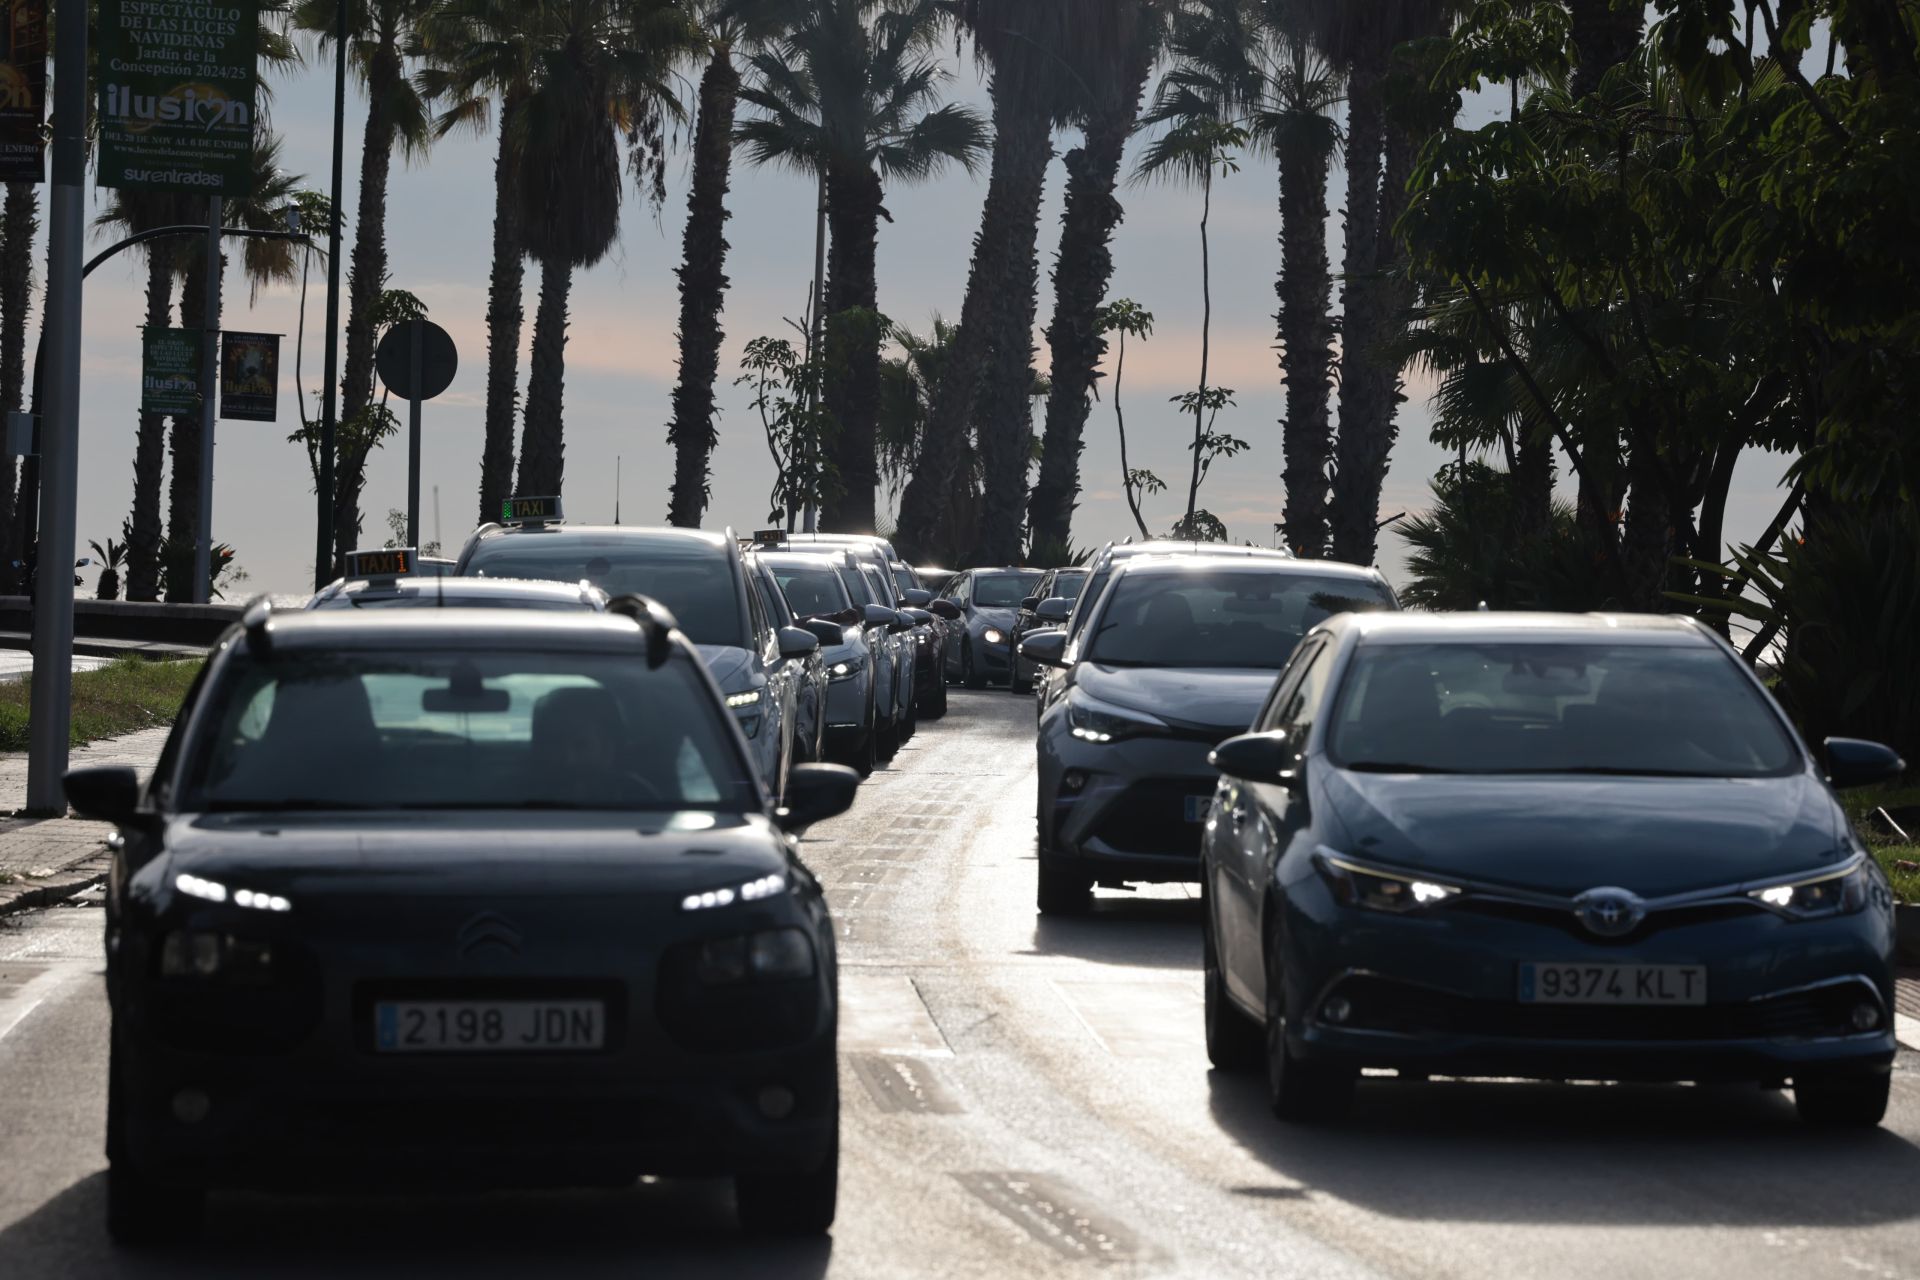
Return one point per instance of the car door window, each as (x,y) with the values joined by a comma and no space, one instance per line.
(1285,687)
(1297,710)
(757,613)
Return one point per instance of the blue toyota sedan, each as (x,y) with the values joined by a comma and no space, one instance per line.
(1544,846)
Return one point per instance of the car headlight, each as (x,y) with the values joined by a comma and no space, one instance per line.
(1093,721)
(1821,896)
(772,955)
(847,670)
(743,701)
(203,955)
(752,891)
(993,635)
(1359,885)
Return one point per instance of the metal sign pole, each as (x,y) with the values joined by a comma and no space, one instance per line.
(415,340)
(323,537)
(52,708)
(209,407)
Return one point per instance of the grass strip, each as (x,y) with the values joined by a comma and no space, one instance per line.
(1901,858)
(126,696)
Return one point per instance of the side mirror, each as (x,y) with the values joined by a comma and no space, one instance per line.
(1850,763)
(1257,757)
(919,617)
(109,793)
(796,642)
(1054,612)
(1030,603)
(878,615)
(826,632)
(917,598)
(1048,648)
(901,622)
(945,609)
(816,792)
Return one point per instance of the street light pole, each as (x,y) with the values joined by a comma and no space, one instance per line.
(209,406)
(323,537)
(52,709)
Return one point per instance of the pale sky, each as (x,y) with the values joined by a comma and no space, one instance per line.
(622,352)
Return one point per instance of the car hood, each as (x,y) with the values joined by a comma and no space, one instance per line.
(1001,618)
(1654,836)
(362,857)
(732,668)
(1221,701)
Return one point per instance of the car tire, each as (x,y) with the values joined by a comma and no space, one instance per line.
(1234,1042)
(790,1204)
(968,675)
(140,1211)
(1016,685)
(1857,1100)
(886,742)
(1299,1090)
(1062,893)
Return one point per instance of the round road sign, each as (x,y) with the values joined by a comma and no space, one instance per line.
(438,359)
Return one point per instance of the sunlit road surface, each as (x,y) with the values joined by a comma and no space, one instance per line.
(1027,1099)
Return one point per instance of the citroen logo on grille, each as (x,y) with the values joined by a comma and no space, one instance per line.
(1610,913)
(488,931)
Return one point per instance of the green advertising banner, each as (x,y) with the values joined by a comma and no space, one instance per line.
(170,371)
(177,95)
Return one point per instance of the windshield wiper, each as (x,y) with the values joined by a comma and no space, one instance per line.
(1617,771)
(288,806)
(1398,766)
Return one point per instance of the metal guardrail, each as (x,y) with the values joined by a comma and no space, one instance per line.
(195,625)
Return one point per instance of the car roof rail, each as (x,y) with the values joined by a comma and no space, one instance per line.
(657,625)
(258,621)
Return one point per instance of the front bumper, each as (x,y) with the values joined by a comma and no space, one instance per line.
(1127,820)
(1438,992)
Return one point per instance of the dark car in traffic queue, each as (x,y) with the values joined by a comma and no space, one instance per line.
(700,576)
(816,590)
(1550,846)
(1054,585)
(1103,565)
(980,649)
(810,703)
(900,590)
(456,899)
(393,578)
(1178,656)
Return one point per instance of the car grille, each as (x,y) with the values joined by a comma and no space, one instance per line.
(1563,918)
(1380,1004)
(1151,818)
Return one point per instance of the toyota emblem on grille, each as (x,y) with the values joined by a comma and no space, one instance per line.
(488,930)
(1610,913)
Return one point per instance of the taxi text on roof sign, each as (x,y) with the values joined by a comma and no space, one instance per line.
(531,510)
(770,537)
(394,562)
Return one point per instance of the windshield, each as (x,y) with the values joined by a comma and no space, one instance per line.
(1220,617)
(692,579)
(812,593)
(1091,597)
(1002,590)
(431,600)
(1556,708)
(857,586)
(1066,586)
(464,731)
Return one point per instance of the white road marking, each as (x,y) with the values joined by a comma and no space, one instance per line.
(1907,1030)
(16,1002)
(1158,1018)
(884,1014)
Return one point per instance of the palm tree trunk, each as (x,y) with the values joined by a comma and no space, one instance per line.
(1305,289)
(852,384)
(1206,344)
(183,489)
(1647,546)
(543,443)
(18,224)
(366,279)
(144,530)
(1604,36)
(929,507)
(506,317)
(1367,438)
(703,291)
(1120,423)
(1081,275)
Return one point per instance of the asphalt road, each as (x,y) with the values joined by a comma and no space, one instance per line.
(1032,1099)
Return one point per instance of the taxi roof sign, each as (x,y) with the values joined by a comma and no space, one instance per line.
(531,511)
(770,537)
(387,563)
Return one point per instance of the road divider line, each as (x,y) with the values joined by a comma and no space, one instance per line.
(17,1004)
(885,1015)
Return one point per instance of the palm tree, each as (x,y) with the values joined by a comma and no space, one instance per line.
(477,51)
(850,92)
(601,72)
(397,116)
(1083,271)
(1039,54)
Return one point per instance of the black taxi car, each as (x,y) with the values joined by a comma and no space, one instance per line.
(489,899)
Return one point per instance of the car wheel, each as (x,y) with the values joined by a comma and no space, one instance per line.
(1299,1090)
(790,1204)
(1857,1100)
(141,1211)
(886,741)
(968,675)
(1017,685)
(1061,893)
(1234,1042)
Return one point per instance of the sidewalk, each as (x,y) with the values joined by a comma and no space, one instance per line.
(46,860)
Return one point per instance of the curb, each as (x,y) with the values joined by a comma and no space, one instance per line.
(74,878)
(1907,1031)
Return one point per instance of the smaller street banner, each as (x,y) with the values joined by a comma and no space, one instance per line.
(250,377)
(170,371)
(23,90)
(177,95)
